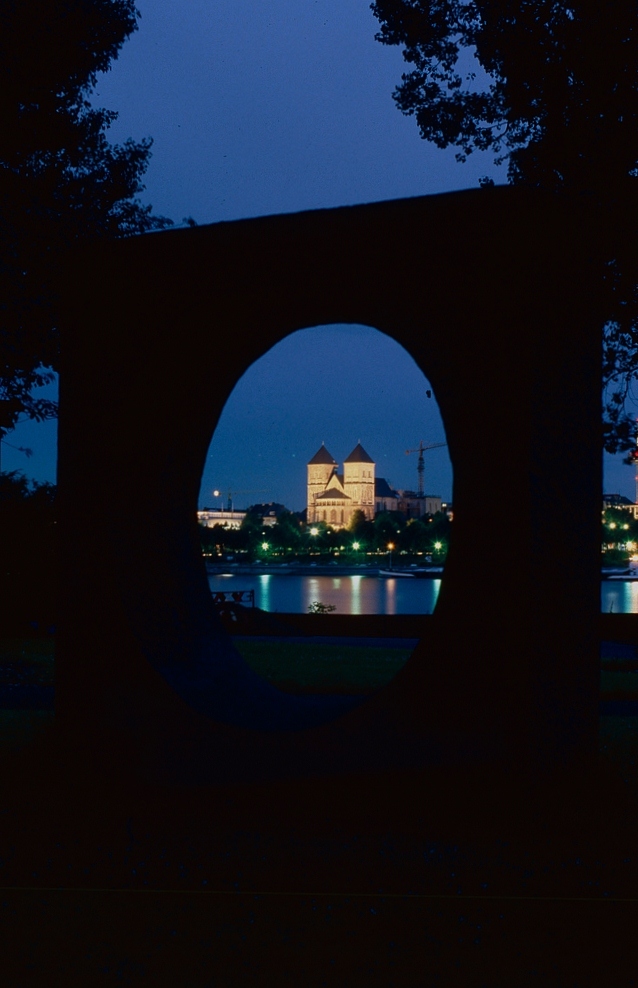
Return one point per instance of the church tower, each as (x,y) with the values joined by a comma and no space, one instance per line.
(358,481)
(320,469)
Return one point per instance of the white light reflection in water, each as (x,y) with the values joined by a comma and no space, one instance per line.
(355,597)
(349,594)
(264,591)
(619,597)
(390,595)
(312,593)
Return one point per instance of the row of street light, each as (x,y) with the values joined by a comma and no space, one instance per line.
(437,546)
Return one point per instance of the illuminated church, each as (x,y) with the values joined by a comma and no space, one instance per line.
(333,497)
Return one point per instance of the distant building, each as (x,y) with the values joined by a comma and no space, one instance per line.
(620,501)
(385,497)
(233,519)
(412,506)
(269,512)
(333,497)
(227,519)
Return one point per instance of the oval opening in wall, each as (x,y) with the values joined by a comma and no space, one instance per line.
(327,495)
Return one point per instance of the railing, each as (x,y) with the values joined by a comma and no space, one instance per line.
(221,597)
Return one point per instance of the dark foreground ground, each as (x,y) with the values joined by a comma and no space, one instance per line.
(419,878)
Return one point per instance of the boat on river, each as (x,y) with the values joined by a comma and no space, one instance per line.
(619,573)
(395,572)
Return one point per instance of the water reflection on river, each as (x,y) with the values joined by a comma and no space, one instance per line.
(350,594)
(619,597)
(376,595)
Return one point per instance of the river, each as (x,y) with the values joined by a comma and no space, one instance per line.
(619,597)
(291,594)
(374,594)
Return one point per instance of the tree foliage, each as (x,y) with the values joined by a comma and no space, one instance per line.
(61,181)
(290,539)
(286,533)
(553,89)
(361,528)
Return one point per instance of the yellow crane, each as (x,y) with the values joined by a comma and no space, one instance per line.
(421,449)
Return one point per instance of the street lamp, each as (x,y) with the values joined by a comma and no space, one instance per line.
(313,532)
(390,548)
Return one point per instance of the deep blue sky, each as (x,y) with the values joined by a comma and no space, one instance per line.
(372,391)
(258,108)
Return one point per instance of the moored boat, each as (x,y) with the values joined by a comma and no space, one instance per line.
(618,572)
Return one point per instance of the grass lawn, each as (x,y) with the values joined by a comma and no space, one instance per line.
(294,667)
(20,727)
(316,668)
(299,669)
(27,661)
(620,685)
(618,748)
(24,662)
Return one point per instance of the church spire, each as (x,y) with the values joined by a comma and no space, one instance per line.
(358,455)
(322,456)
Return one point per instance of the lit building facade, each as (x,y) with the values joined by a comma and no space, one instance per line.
(227,519)
(619,501)
(333,497)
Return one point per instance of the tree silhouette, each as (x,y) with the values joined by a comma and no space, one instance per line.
(551,88)
(28,535)
(61,181)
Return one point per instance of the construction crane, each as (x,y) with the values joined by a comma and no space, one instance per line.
(232,494)
(421,449)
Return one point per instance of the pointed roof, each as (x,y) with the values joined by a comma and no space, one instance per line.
(334,494)
(322,456)
(358,455)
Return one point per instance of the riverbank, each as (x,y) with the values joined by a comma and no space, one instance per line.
(363,569)
(319,569)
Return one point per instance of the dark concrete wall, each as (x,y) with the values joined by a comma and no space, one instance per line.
(491,292)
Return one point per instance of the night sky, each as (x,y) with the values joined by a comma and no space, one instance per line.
(376,393)
(256,109)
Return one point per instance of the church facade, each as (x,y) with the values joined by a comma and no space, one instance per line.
(333,497)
